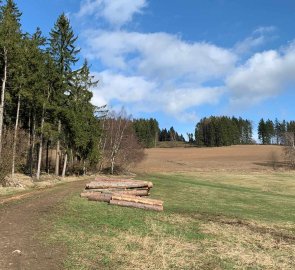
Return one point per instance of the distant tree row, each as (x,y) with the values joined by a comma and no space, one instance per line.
(273,132)
(223,131)
(147,131)
(170,135)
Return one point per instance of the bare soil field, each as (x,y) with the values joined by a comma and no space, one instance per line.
(234,158)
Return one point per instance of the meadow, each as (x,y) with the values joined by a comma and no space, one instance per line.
(212,219)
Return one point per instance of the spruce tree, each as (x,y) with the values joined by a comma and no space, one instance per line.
(64,53)
(10,41)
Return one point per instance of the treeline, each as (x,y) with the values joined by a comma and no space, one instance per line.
(45,109)
(170,135)
(274,132)
(223,131)
(149,133)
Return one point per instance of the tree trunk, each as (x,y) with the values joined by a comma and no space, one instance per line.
(30,129)
(47,156)
(84,168)
(33,146)
(65,166)
(136,199)
(135,192)
(71,159)
(58,150)
(40,147)
(97,197)
(15,137)
(123,185)
(137,205)
(112,165)
(2,102)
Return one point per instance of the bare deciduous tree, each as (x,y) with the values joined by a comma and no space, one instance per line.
(289,148)
(119,144)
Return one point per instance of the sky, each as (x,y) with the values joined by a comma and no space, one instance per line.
(181,60)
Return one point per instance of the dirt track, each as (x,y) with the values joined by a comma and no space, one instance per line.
(192,159)
(20,226)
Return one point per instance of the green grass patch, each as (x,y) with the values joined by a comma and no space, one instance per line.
(207,223)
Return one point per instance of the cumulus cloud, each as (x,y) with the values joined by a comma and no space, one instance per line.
(264,75)
(115,86)
(159,71)
(159,55)
(146,96)
(116,12)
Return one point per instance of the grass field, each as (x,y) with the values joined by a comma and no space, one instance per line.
(211,220)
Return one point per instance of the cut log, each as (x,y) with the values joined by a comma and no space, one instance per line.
(114,180)
(149,184)
(107,185)
(98,197)
(137,192)
(136,199)
(137,205)
(85,194)
(112,189)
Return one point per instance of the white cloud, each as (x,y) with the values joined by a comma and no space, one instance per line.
(148,72)
(116,12)
(121,88)
(265,29)
(179,100)
(143,95)
(159,55)
(249,43)
(264,75)
(258,38)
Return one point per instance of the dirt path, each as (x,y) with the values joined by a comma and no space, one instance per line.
(20,226)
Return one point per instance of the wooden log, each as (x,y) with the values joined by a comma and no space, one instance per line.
(85,194)
(136,192)
(115,189)
(114,180)
(107,185)
(137,205)
(99,197)
(150,184)
(136,199)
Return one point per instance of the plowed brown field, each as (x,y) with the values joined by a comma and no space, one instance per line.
(191,159)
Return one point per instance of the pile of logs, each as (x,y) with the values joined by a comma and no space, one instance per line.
(122,192)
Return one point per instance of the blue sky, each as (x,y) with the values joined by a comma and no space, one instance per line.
(178,61)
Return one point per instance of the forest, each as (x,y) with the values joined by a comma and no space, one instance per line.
(45,99)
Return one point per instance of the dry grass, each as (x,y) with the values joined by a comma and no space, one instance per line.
(251,247)
(24,183)
(221,243)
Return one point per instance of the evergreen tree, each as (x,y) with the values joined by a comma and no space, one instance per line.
(64,53)
(223,131)
(262,131)
(10,43)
